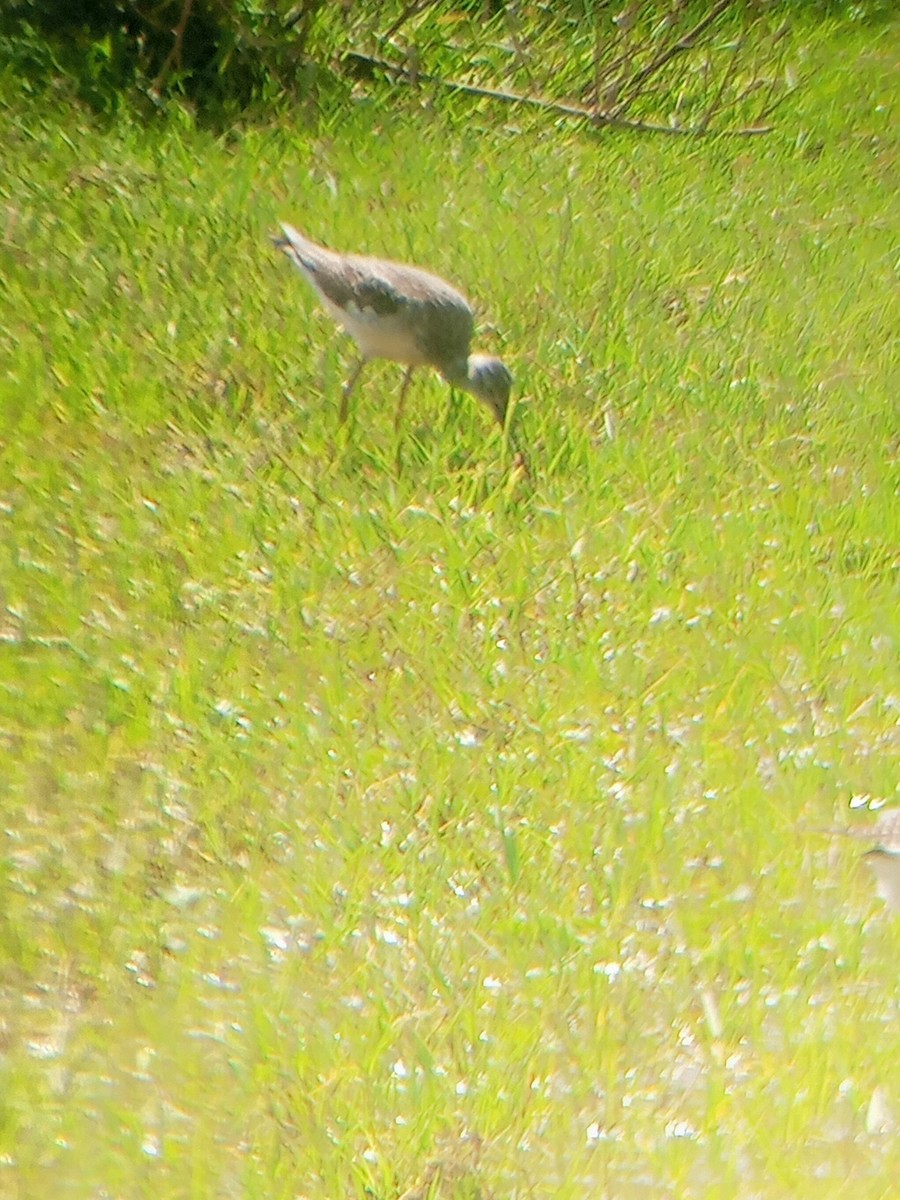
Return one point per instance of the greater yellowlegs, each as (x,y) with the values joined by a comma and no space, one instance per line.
(400,313)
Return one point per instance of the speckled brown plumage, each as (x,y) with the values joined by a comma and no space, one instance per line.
(402,313)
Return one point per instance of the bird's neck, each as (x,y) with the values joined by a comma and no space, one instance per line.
(459,374)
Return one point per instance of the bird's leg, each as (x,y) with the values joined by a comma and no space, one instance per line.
(348,388)
(403,389)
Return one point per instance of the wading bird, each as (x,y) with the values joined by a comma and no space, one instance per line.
(884,855)
(401,313)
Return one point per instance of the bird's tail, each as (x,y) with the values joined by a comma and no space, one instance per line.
(304,254)
(290,238)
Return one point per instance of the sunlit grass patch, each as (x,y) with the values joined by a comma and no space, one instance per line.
(392,821)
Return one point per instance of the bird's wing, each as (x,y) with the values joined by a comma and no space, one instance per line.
(347,284)
(344,279)
(374,292)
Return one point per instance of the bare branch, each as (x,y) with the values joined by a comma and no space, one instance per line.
(566,110)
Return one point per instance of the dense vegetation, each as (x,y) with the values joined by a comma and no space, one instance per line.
(223,55)
(382,820)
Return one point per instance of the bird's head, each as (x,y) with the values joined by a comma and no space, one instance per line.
(490,381)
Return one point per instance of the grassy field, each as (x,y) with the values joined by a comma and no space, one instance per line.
(381,821)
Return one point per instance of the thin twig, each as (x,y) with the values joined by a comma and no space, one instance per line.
(716,101)
(776,103)
(411,10)
(175,54)
(637,82)
(601,73)
(302,20)
(741,96)
(768,104)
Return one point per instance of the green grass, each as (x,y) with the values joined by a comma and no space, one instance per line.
(378,817)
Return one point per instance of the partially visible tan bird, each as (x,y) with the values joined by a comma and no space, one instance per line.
(400,313)
(884,855)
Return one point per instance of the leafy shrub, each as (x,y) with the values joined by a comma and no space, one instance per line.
(226,54)
(211,52)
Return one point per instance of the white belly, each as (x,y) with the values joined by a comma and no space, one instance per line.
(378,336)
